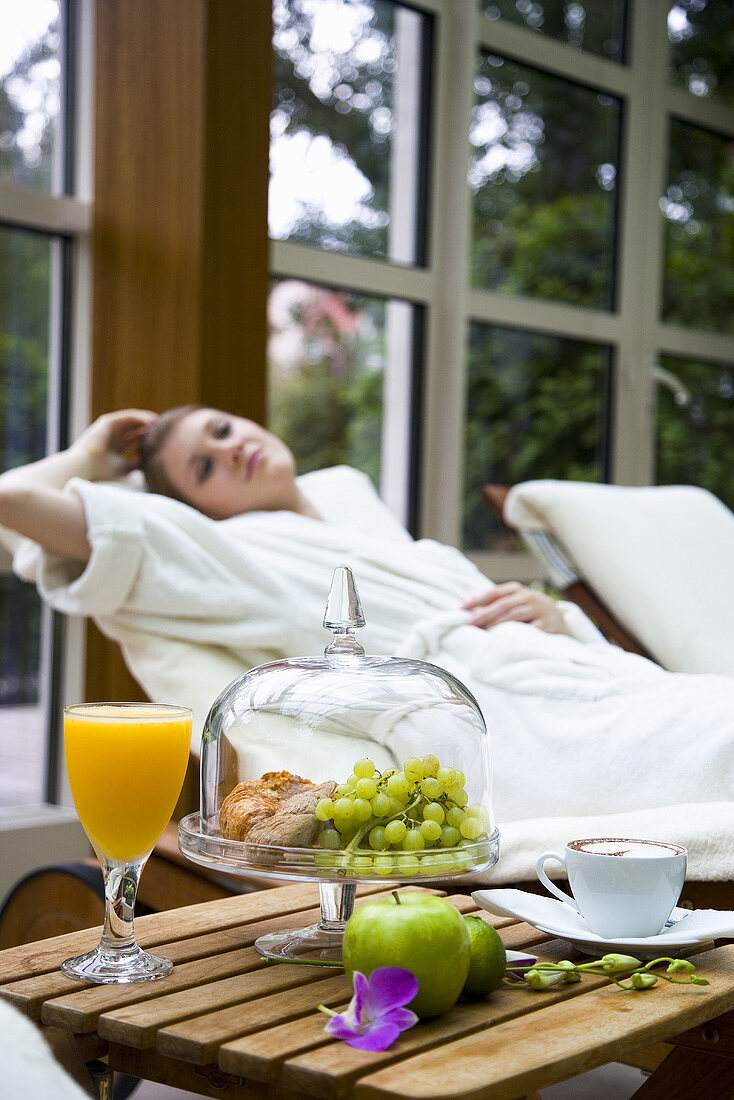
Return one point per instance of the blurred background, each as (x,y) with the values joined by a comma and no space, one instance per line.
(447,242)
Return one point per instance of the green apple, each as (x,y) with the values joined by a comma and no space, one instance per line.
(418,932)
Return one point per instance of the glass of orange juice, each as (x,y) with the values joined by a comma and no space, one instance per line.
(126,764)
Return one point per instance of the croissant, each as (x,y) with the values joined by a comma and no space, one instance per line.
(257,800)
(294,825)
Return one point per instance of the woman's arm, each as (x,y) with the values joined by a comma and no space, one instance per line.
(32,498)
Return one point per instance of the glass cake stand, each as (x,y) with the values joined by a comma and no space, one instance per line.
(337,874)
(321,717)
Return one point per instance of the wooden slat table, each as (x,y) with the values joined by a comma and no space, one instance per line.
(228,1024)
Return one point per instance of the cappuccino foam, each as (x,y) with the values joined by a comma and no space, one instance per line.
(638,849)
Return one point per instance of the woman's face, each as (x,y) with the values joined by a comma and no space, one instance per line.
(225,465)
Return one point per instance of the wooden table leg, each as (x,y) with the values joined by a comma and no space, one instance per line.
(689,1075)
(103,1079)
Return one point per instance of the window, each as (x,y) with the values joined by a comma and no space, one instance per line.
(42,227)
(348,179)
(563,175)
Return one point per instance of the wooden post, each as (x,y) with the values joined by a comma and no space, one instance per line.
(182,103)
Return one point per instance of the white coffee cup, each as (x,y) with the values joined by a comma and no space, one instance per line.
(623,888)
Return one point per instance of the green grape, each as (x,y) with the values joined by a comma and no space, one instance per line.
(384,865)
(446,777)
(381,805)
(362,809)
(431,832)
(433,812)
(344,808)
(395,832)
(430,765)
(364,769)
(460,798)
(397,787)
(470,828)
(413,769)
(446,862)
(341,790)
(455,816)
(449,836)
(431,788)
(325,859)
(377,839)
(388,772)
(396,807)
(351,782)
(361,865)
(325,809)
(366,788)
(475,811)
(428,865)
(413,841)
(329,838)
(459,779)
(407,864)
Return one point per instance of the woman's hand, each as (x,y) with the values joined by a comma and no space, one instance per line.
(514,602)
(112,443)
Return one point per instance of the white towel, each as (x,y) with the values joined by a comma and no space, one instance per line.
(660,557)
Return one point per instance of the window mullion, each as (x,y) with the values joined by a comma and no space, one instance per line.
(641,255)
(542,52)
(445,380)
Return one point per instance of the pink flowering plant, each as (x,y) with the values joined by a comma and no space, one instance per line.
(376,1014)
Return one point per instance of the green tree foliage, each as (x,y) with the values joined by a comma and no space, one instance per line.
(326,402)
(542,175)
(345,96)
(698,285)
(694,442)
(536,410)
(702,47)
(25,269)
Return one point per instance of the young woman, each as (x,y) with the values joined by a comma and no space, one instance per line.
(222,465)
(231,567)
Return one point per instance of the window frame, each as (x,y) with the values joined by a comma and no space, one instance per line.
(66,218)
(634,328)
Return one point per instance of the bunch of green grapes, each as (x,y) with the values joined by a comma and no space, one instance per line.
(422,806)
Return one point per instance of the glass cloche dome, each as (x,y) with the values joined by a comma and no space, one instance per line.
(342,769)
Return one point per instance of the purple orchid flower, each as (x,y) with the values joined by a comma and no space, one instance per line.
(375,1015)
(522,962)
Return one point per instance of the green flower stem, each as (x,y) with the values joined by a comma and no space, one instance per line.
(625,971)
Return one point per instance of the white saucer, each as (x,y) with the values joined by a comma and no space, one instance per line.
(689,927)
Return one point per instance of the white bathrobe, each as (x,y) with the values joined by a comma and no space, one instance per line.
(583,736)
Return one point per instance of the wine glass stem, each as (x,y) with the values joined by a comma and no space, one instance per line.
(337,902)
(120,889)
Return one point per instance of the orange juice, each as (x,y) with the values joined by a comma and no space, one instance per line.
(126,766)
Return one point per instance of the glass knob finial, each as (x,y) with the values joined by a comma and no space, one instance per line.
(343,614)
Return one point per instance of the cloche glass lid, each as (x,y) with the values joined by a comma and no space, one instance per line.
(345,766)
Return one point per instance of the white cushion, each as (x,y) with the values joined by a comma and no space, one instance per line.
(660,558)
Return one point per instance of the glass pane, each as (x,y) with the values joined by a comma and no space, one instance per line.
(25,271)
(701,38)
(594,25)
(543,175)
(694,439)
(330,394)
(346,125)
(698,207)
(30,93)
(536,407)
